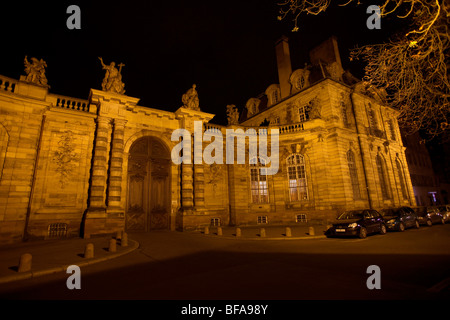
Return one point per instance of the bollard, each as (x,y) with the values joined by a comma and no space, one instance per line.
(118,235)
(238,232)
(25,263)
(219,231)
(112,245)
(89,251)
(311,231)
(206,230)
(124,241)
(262,233)
(288,232)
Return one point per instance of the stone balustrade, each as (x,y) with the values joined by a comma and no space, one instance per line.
(68,102)
(7,84)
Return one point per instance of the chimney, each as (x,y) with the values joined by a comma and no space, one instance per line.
(284,65)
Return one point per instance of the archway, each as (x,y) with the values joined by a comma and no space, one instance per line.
(148,186)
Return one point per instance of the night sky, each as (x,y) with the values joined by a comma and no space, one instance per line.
(227,48)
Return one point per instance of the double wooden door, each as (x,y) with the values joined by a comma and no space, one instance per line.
(148,199)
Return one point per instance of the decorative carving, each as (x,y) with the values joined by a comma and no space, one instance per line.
(65,158)
(232,114)
(335,70)
(113,78)
(190,99)
(36,71)
(315,109)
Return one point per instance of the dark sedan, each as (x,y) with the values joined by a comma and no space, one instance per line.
(358,223)
(429,215)
(400,218)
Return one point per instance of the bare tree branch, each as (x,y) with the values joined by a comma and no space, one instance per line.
(412,67)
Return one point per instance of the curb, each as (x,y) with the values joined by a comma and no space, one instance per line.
(133,245)
(263,238)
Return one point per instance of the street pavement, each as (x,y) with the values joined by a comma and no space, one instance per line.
(52,256)
(168,265)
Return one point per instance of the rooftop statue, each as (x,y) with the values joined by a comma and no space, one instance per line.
(113,78)
(232,114)
(35,71)
(190,99)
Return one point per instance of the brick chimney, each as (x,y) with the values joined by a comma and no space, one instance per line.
(284,65)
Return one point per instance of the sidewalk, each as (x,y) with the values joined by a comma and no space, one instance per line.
(52,256)
(298,232)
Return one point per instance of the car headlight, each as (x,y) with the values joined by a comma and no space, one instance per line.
(353,225)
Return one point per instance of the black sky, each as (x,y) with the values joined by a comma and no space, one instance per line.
(225,47)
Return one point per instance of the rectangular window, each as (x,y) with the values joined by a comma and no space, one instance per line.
(259,187)
(262,219)
(215,222)
(301,218)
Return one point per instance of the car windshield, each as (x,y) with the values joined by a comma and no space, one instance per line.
(354,214)
(390,212)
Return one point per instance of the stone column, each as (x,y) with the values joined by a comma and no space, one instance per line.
(199,186)
(187,190)
(100,164)
(115,170)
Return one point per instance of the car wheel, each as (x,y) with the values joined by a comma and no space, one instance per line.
(417,224)
(401,227)
(429,222)
(362,233)
(383,229)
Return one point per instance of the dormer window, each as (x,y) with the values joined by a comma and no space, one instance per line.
(299,79)
(273,94)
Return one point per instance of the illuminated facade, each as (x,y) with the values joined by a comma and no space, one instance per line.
(73,167)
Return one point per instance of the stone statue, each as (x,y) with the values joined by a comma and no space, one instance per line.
(113,78)
(35,71)
(190,99)
(232,114)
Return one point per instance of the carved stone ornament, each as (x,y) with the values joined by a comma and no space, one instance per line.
(190,99)
(65,158)
(252,106)
(36,71)
(232,114)
(112,82)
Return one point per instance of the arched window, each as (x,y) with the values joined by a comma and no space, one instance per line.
(402,179)
(383,178)
(353,174)
(259,184)
(298,185)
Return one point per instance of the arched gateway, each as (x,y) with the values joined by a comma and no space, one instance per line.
(148,186)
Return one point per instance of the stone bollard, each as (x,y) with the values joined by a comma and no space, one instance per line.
(206,230)
(118,235)
(219,231)
(25,263)
(124,241)
(238,232)
(112,245)
(89,251)
(262,233)
(288,232)
(311,231)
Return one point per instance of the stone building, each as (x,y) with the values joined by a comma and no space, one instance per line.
(74,167)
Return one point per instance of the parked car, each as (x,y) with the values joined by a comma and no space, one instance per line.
(445,211)
(400,218)
(358,223)
(429,215)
